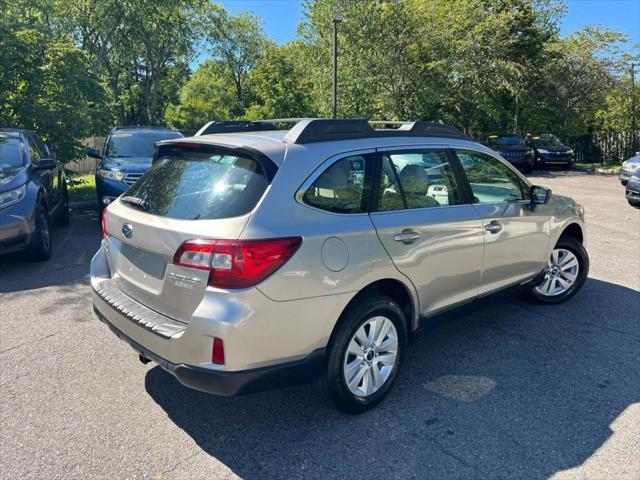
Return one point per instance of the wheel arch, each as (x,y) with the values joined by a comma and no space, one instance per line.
(573,230)
(392,288)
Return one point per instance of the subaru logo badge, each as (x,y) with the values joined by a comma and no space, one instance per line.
(127,230)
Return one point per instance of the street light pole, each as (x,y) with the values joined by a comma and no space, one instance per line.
(336,20)
(634,144)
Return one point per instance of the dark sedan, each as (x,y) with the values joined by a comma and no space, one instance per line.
(549,150)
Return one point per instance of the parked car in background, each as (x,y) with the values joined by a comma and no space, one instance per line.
(633,189)
(549,150)
(628,168)
(513,149)
(254,260)
(127,155)
(33,193)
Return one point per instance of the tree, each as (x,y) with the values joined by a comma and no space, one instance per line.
(278,85)
(239,43)
(207,95)
(46,84)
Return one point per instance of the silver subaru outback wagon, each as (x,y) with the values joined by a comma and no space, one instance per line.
(259,259)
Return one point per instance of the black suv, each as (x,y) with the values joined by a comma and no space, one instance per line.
(33,191)
(549,150)
(513,149)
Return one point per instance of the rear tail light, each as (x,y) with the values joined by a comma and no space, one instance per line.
(105,234)
(237,264)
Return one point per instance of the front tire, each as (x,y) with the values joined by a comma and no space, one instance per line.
(40,248)
(365,354)
(565,274)
(64,215)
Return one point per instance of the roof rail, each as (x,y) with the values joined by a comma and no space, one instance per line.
(134,127)
(322,130)
(238,126)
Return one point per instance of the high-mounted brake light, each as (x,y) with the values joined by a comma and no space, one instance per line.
(235,264)
(105,234)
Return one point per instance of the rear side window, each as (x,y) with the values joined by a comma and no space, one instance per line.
(201,183)
(341,188)
(417,179)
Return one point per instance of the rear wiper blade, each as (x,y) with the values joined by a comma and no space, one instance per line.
(138,202)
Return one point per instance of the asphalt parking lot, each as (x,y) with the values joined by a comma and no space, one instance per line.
(506,389)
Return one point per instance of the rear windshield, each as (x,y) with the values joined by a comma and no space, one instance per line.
(136,144)
(201,183)
(10,153)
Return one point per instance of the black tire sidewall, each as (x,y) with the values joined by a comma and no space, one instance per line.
(37,250)
(333,377)
(575,247)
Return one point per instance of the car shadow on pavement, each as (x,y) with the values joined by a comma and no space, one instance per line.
(73,246)
(506,389)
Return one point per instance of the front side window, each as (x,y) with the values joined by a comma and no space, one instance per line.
(341,188)
(34,151)
(417,179)
(491,180)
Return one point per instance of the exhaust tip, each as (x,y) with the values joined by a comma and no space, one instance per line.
(144,360)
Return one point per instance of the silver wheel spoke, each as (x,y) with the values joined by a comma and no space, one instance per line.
(376,376)
(352,368)
(554,256)
(355,349)
(390,344)
(355,381)
(387,358)
(382,332)
(361,336)
(569,264)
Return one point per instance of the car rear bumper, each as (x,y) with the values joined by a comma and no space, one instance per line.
(261,336)
(226,383)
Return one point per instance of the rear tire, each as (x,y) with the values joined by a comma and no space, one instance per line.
(64,215)
(562,280)
(39,249)
(368,347)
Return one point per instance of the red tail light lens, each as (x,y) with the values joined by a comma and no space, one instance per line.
(217,354)
(105,234)
(237,263)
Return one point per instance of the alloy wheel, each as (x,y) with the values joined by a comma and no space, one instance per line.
(371,356)
(561,273)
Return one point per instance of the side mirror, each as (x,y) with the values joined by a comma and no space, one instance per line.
(540,195)
(93,152)
(46,164)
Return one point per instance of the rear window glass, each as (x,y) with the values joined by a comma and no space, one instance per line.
(10,153)
(136,144)
(196,184)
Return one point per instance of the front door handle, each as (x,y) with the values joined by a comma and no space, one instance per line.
(406,237)
(493,227)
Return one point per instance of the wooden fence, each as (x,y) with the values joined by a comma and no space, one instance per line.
(87,164)
(609,148)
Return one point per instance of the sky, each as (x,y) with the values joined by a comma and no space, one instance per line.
(281,17)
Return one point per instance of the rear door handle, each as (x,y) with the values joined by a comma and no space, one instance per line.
(407,236)
(493,227)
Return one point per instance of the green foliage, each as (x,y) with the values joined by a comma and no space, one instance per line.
(70,69)
(45,85)
(208,95)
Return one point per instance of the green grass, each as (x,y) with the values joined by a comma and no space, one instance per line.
(82,188)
